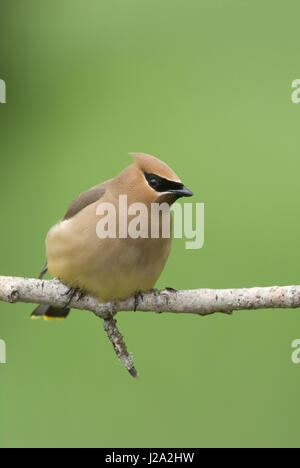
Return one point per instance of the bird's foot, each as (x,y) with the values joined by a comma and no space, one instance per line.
(72,293)
(81,295)
(137,297)
(172,290)
(68,291)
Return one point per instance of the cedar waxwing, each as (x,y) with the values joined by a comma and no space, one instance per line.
(112,269)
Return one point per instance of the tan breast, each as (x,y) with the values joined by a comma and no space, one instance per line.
(110,269)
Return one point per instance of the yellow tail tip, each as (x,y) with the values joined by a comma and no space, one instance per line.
(35,317)
(48,319)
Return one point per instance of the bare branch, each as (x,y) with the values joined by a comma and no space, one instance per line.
(199,301)
(115,337)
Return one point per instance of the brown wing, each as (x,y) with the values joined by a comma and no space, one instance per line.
(85,199)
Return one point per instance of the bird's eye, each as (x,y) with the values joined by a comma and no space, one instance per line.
(154,182)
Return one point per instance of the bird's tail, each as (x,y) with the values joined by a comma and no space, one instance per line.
(49,312)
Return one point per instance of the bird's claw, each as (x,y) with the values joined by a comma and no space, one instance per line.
(67,292)
(136,300)
(172,290)
(71,292)
(81,295)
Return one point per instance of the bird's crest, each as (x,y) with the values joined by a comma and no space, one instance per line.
(152,165)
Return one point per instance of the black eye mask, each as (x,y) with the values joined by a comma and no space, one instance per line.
(159,184)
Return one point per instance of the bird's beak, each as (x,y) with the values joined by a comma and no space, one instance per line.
(184,192)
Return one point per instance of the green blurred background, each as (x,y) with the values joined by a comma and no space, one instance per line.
(206,86)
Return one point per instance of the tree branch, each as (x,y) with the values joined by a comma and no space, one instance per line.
(199,301)
(117,340)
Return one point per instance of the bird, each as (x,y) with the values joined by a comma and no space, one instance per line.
(112,269)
